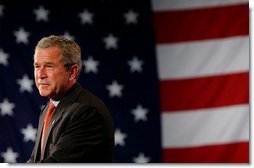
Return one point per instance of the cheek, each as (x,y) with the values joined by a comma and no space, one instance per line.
(62,81)
(36,78)
(59,80)
(35,74)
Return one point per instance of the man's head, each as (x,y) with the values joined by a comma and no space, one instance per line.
(57,64)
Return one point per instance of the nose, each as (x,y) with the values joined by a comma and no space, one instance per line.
(41,73)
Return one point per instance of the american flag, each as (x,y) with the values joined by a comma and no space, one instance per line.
(173,73)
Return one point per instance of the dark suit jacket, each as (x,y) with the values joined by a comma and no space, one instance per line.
(81,130)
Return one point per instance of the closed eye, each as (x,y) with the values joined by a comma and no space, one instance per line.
(36,66)
(49,66)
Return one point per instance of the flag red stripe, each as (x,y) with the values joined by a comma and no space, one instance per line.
(205,92)
(227,153)
(198,24)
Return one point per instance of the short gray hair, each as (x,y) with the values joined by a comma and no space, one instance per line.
(69,49)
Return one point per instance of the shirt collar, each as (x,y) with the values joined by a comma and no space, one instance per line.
(55,102)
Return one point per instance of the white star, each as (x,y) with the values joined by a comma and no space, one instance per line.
(86,17)
(115,89)
(141,158)
(119,137)
(21,36)
(6,107)
(139,113)
(110,42)
(135,64)
(68,36)
(29,133)
(25,84)
(3,57)
(130,17)
(10,156)
(1,10)
(41,14)
(91,65)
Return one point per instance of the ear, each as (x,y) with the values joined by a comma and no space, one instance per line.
(74,70)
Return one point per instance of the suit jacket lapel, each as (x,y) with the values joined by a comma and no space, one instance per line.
(39,134)
(68,99)
(56,116)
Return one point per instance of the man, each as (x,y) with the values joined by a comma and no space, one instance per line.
(80,128)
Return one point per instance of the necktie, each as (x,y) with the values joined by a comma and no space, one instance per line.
(47,119)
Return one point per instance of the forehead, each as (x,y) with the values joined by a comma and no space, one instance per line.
(51,53)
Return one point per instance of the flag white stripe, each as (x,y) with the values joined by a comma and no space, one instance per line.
(203,58)
(166,5)
(205,127)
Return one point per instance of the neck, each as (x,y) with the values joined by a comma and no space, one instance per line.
(61,95)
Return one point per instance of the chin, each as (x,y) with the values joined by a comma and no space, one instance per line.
(44,94)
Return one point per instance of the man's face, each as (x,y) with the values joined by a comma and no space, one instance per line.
(51,77)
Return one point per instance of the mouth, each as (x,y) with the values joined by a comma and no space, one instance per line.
(43,84)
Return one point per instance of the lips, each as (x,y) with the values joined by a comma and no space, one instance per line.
(43,84)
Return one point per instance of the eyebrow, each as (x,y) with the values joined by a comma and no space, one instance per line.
(44,63)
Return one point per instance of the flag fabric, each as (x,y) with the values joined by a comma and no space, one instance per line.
(118,53)
(173,73)
(202,51)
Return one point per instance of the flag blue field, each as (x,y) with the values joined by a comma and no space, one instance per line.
(173,73)
(118,55)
